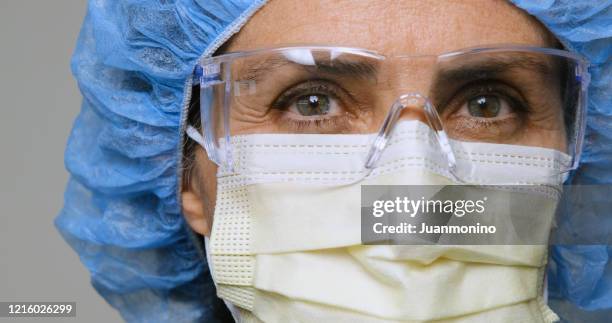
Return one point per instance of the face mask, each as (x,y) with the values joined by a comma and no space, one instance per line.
(286,244)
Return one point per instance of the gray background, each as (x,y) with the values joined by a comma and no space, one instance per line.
(39,101)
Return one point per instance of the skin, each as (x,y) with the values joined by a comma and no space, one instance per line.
(392,28)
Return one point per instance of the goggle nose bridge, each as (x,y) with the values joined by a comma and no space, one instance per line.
(410,101)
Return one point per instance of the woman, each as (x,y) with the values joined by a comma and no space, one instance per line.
(338,76)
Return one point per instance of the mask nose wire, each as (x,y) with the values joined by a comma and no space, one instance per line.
(410,101)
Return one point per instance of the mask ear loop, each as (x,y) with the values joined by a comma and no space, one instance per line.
(194,134)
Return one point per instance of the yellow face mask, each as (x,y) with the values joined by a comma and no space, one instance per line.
(286,243)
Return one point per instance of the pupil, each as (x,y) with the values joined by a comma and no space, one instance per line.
(314,101)
(485,106)
(315,104)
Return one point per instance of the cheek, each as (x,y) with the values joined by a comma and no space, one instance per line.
(207,171)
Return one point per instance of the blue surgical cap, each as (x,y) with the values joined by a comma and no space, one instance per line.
(121,213)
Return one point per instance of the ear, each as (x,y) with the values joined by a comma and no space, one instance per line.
(193,209)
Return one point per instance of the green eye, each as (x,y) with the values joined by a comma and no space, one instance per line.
(313,104)
(484,106)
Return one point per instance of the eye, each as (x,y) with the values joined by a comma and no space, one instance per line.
(486,111)
(312,100)
(315,104)
(318,106)
(486,106)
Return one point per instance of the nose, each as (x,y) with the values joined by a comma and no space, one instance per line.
(412,106)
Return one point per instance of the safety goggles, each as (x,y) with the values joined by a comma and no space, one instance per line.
(510,95)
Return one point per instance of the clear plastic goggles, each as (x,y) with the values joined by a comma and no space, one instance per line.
(510,95)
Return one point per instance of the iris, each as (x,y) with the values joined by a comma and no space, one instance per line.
(484,106)
(314,104)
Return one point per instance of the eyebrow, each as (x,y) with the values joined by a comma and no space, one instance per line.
(337,67)
(492,67)
(487,68)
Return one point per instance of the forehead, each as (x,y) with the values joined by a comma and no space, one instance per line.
(391,27)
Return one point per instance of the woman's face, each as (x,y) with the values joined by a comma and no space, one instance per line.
(387,27)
